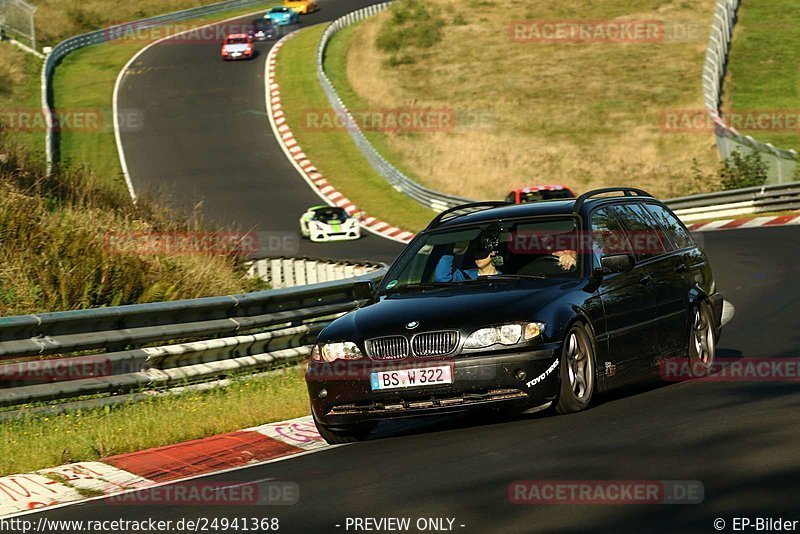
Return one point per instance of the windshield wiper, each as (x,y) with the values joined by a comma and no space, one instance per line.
(515,277)
(418,286)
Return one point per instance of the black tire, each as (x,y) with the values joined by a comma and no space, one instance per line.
(702,349)
(577,370)
(339,437)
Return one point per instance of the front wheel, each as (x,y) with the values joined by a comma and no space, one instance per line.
(702,343)
(338,437)
(577,371)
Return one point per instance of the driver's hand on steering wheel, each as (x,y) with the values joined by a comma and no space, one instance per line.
(567,259)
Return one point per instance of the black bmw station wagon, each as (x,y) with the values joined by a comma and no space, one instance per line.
(521,307)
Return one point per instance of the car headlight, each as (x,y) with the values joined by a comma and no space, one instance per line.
(329,352)
(507,334)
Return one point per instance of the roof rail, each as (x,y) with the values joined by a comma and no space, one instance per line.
(626,191)
(487,205)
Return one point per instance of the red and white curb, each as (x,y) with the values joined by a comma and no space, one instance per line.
(304,166)
(115,475)
(752,222)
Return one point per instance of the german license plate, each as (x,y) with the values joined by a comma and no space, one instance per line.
(410,378)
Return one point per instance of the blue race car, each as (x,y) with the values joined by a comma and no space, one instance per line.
(283,16)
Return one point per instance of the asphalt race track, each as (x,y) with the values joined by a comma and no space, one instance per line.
(206,140)
(740,439)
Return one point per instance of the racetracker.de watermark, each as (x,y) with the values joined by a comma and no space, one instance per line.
(201,493)
(640,31)
(732,370)
(701,121)
(54,370)
(245,244)
(70,120)
(380,120)
(175,33)
(606,492)
(609,242)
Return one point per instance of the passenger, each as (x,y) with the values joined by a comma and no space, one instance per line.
(482,256)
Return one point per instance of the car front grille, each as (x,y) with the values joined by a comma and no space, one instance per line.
(434,343)
(387,348)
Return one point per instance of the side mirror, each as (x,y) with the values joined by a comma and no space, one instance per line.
(363,290)
(616,263)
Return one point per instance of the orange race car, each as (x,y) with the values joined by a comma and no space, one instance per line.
(304,7)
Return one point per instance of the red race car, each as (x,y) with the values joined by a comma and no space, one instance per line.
(535,193)
(237,46)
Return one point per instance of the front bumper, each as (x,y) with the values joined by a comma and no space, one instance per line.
(341,394)
(231,57)
(323,237)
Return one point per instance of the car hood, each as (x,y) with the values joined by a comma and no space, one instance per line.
(459,308)
(235,47)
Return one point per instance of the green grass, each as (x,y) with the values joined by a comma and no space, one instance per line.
(764,65)
(85,81)
(333,152)
(20,91)
(47,441)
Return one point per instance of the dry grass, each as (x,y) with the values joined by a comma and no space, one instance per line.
(54,253)
(58,19)
(583,114)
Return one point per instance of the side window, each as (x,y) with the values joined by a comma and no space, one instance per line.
(641,231)
(679,235)
(512,198)
(608,235)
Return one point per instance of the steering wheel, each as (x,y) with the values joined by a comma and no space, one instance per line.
(543,265)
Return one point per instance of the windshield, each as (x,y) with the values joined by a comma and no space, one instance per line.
(535,196)
(330,214)
(533,248)
(236,40)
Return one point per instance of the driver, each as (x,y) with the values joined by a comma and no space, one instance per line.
(484,266)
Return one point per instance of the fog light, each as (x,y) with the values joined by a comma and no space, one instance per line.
(322,393)
(520,374)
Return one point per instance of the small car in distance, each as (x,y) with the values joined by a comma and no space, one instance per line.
(329,223)
(535,193)
(263,30)
(304,7)
(237,46)
(282,16)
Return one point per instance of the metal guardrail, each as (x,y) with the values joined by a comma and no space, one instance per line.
(781,163)
(109,351)
(428,197)
(747,201)
(111,33)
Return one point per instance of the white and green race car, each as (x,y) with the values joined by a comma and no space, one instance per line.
(329,223)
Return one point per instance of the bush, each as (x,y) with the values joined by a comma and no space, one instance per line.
(743,171)
(54,252)
(413,24)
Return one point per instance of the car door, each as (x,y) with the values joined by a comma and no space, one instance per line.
(666,269)
(684,258)
(629,301)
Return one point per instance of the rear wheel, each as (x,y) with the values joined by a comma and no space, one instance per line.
(577,371)
(351,435)
(702,341)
